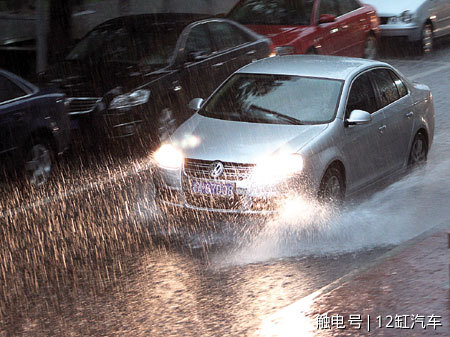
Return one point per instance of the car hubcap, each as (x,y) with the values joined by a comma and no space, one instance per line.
(370,50)
(333,189)
(427,39)
(418,153)
(38,165)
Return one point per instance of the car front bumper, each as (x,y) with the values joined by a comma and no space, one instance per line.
(410,32)
(173,192)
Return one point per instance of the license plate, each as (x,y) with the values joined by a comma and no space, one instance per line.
(214,188)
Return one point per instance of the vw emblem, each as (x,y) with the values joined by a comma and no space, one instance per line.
(216,169)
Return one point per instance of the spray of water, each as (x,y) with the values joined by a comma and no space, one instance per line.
(415,203)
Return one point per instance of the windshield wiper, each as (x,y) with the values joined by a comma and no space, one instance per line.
(291,120)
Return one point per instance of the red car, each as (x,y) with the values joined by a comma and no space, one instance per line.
(331,27)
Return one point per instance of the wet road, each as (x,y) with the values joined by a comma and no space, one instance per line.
(88,256)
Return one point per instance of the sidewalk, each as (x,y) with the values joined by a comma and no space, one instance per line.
(405,294)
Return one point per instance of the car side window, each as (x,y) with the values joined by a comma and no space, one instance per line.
(198,41)
(361,96)
(385,88)
(9,90)
(328,7)
(401,87)
(347,6)
(226,36)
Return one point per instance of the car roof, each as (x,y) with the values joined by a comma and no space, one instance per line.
(334,67)
(179,19)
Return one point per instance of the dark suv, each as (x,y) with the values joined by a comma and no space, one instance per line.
(34,127)
(136,74)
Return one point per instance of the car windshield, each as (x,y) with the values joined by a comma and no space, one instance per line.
(273,12)
(151,45)
(275,99)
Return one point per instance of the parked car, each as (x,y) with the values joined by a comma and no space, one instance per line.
(321,126)
(34,127)
(418,22)
(146,68)
(331,27)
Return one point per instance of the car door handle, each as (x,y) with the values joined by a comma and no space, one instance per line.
(382,128)
(218,65)
(251,52)
(18,116)
(344,27)
(409,114)
(334,30)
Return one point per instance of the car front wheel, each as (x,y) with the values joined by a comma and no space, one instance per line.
(370,48)
(39,162)
(332,187)
(426,42)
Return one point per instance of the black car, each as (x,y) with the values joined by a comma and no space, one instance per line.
(146,68)
(34,127)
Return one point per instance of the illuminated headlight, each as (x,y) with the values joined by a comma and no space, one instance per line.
(168,157)
(131,99)
(277,167)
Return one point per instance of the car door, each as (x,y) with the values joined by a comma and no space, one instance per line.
(329,34)
(197,59)
(352,21)
(13,116)
(395,103)
(233,49)
(363,144)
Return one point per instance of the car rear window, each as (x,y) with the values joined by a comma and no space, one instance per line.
(273,12)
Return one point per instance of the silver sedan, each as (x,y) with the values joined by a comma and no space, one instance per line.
(419,21)
(322,127)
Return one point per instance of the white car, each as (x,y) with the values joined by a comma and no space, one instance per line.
(417,21)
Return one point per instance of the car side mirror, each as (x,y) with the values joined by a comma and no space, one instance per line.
(327,18)
(359,117)
(195,104)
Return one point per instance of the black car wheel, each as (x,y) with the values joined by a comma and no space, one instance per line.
(426,42)
(419,150)
(370,48)
(39,161)
(332,187)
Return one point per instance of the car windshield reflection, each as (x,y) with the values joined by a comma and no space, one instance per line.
(275,99)
(113,43)
(273,12)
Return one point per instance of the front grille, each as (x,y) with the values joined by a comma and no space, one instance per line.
(384,20)
(82,105)
(232,171)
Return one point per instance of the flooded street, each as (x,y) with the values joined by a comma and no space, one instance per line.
(92,256)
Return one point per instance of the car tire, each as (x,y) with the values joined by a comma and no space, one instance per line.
(39,161)
(419,150)
(370,47)
(425,44)
(332,187)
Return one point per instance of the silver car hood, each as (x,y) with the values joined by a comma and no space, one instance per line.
(240,142)
(389,7)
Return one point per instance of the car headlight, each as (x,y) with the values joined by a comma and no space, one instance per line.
(131,99)
(406,16)
(277,167)
(168,157)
